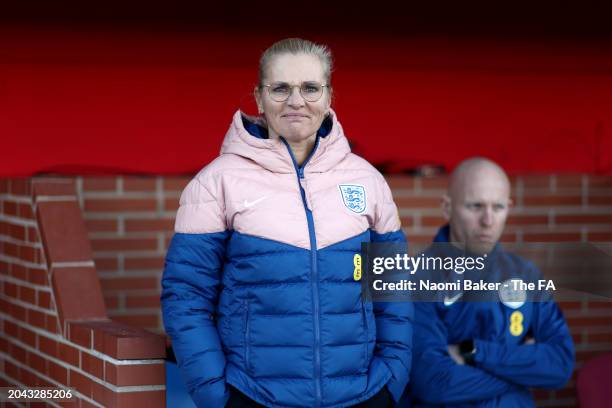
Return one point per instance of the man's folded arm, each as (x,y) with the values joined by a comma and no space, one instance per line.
(548,363)
(436,378)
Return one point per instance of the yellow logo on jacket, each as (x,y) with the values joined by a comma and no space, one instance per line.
(516,323)
(357,265)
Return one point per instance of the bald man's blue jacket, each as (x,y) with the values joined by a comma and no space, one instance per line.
(504,367)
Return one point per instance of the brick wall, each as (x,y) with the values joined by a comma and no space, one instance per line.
(54,328)
(130,220)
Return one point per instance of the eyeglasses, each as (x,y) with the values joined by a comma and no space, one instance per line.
(310,91)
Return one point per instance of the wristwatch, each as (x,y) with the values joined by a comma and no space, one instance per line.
(467,349)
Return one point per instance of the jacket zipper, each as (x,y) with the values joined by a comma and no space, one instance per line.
(313,266)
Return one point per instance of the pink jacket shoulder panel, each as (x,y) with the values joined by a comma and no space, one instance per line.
(201,210)
(253,188)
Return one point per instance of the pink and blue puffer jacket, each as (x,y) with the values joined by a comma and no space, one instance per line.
(258,288)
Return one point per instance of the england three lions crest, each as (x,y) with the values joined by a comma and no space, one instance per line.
(353,197)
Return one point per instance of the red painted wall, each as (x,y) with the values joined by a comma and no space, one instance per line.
(160,103)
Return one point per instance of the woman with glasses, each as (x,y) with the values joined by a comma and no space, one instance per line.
(261,294)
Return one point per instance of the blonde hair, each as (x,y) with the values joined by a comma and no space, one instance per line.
(296,46)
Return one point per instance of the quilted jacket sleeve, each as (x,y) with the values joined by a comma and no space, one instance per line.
(393,319)
(546,364)
(189,295)
(436,378)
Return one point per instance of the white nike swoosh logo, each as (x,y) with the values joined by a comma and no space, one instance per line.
(449,301)
(248,204)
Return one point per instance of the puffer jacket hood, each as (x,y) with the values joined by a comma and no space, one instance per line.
(272,155)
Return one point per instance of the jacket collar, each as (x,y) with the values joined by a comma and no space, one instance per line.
(248,137)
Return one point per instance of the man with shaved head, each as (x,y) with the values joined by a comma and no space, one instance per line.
(485,349)
(477,203)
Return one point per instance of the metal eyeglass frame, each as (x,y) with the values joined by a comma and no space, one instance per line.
(300,90)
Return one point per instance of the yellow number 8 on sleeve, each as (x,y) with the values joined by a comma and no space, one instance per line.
(516,323)
(357,264)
